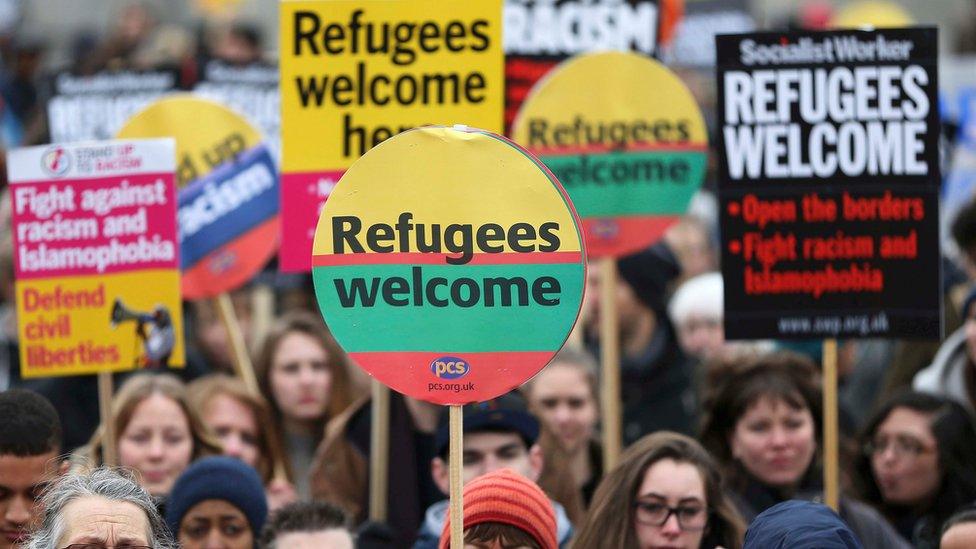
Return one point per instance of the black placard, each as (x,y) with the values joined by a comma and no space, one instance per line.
(539,34)
(828,184)
(95,106)
(251,90)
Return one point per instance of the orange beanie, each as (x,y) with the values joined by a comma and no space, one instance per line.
(508,498)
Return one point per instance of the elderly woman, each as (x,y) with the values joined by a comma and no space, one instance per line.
(104,508)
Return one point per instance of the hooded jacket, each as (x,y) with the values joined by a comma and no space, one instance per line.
(870,527)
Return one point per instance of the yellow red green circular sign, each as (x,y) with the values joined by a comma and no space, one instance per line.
(448,263)
(228,197)
(625,137)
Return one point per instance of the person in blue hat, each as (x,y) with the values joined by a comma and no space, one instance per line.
(217,502)
(797,524)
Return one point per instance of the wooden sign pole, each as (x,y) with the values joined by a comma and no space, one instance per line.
(455,465)
(610,363)
(379,451)
(242,360)
(105,411)
(830,426)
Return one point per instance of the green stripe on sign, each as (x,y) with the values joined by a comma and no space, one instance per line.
(630,183)
(353,303)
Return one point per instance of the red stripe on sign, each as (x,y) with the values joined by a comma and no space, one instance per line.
(620,236)
(489,374)
(419,258)
(630,147)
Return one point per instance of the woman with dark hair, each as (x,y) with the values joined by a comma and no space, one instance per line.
(666,491)
(919,463)
(763,423)
(304,375)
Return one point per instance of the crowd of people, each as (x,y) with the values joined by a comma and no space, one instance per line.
(723,439)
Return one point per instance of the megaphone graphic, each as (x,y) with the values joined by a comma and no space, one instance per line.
(121,313)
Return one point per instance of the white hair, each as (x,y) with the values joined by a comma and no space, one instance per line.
(112,484)
(699,296)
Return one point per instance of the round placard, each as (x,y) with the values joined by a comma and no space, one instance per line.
(228,197)
(625,137)
(448,263)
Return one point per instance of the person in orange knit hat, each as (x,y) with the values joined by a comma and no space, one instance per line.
(505,509)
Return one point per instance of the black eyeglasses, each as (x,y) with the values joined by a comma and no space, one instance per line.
(690,517)
(103,546)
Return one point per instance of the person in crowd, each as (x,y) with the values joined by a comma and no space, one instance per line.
(799,525)
(136,23)
(340,470)
(241,420)
(238,44)
(218,502)
(692,240)
(959,532)
(763,425)
(665,492)
(304,374)
(504,509)
(100,508)
(953,370)
(210,343)
(697,312)
(30,444)
(919,463)
(307,525)
(498,434)
(656,385)
(564,396)
(157,433)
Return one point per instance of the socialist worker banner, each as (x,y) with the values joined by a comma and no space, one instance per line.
(828,184)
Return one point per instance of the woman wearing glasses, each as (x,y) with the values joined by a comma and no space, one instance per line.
(919,463)
(762,423)
(665,492)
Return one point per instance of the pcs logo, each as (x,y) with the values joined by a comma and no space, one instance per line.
(55,161)
(449,367)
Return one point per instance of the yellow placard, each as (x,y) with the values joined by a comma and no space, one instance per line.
(354,73)
(67,326)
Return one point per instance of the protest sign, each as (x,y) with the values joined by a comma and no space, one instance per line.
(828,184)
(354,74)
(95,257)
(251,90)
(540,34)
(448,263)
(85,107)
(627,140)
(228,199)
